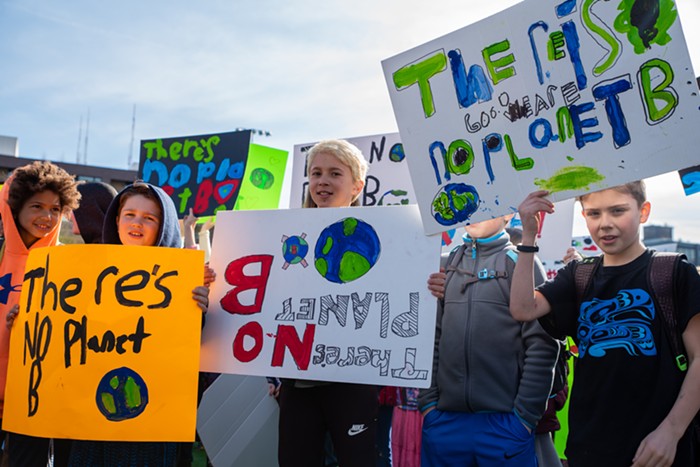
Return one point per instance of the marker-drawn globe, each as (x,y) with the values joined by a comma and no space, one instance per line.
(262,178)
(346,250)
(294,249)
(121,394)
(454,203)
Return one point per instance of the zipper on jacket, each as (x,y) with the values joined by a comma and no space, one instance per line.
(467,391)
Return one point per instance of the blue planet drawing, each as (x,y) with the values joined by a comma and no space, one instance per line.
(294,250)
(121,395)
(456,202)
(346,250)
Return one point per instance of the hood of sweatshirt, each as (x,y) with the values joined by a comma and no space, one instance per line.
(14,258)
(169,231)
(90,215)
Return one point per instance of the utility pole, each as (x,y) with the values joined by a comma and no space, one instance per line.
(87,132)
(80,137)
(130,159)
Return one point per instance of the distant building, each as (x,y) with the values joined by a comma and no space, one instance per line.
(660,238)
(118,178)
(9,146)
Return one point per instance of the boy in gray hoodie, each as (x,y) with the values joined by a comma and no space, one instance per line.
(491,374)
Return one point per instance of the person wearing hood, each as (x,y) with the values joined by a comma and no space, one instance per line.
(32,203)
(87,221)
(140,215)
(89,218)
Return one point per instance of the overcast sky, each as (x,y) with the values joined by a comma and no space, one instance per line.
(303,70)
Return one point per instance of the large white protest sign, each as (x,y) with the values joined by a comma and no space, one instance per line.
(387,183)
(335,294)
(560,95)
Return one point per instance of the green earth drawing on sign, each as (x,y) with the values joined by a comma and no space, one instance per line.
(346,250)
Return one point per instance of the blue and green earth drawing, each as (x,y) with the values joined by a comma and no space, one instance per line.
(121,394)
(346,250)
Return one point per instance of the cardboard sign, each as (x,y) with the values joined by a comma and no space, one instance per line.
(262,183)
(388,182)
(559,95)
(335,294)
(106,344)
(203,172)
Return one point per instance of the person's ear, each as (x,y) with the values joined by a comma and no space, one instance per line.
(645,212)
(357,188)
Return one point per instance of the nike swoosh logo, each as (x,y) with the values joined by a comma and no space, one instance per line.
(356,431)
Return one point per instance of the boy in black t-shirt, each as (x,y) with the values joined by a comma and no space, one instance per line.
(630,404)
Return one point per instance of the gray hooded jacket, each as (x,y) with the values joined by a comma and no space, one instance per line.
(484,360)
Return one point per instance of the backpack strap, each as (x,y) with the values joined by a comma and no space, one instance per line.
(484,274)
(660,279)
(584,270)
(452,262)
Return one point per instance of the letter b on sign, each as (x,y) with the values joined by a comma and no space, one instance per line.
(241,282)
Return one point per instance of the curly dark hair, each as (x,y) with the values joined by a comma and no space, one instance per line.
(42,176)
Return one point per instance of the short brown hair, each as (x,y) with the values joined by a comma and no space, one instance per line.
(138,188)
(40,176)
(636,190)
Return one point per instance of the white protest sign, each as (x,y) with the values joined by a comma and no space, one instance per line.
(387,183)
(559,95)
(335,294)
(585,246)
(554,237)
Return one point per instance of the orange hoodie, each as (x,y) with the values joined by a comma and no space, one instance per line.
(14,257)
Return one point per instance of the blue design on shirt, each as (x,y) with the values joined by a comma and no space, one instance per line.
(623,322)
(6,287)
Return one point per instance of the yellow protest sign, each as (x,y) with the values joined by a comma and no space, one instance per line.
(106,344)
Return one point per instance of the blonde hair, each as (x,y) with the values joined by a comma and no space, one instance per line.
(348,154)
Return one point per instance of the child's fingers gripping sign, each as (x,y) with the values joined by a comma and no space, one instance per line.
(209,275)
(200,294)
(436,283)
(11,315)
(531,206)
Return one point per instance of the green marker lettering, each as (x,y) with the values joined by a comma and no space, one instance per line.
(184,197)
(555,45)
(565,125)
(209,145)
(187,147)
(459,158)
(420,73)
(615,46)
(175,150)
(156,145)
(526,163)
(499,68)
(661,92)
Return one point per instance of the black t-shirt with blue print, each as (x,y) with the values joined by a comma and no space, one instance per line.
(626,380)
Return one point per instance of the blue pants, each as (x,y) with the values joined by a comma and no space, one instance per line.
(482,439)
